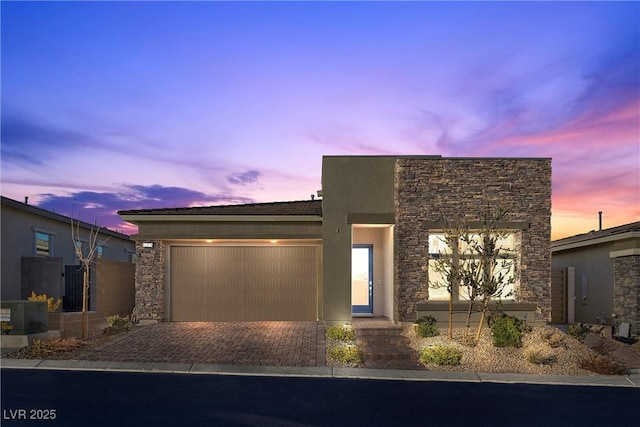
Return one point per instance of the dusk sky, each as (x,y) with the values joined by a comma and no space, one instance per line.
(133,105)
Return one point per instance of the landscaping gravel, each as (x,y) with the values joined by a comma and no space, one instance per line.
(484,357)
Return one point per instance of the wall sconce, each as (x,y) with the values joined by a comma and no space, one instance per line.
(147,244)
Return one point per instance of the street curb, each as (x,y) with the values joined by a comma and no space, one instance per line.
(631,380)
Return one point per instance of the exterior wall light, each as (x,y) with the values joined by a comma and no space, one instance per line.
(147,244)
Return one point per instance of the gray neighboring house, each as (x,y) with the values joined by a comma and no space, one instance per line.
(602,275)
(38,251)
(363,250)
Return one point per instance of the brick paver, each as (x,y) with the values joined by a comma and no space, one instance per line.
(228,343)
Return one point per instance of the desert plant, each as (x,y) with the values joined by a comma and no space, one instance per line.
(117,324)
(540,354)
(506,331)
(52,304)
(342,333)
(426,327)
(441,355)
(602,365)
(346,354)
(578,331)
(553,337)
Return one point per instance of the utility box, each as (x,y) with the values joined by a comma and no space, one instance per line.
(24,317)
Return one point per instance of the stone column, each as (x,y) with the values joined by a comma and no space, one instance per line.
(150,281)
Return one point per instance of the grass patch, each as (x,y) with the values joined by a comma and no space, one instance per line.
(348,354)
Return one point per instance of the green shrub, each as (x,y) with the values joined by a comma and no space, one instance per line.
(506,331)
(426,327)
(341,333)
(425,330)
(441,355)
(578,331)
(540,354)
(117,324)
(602,365)
(346,354)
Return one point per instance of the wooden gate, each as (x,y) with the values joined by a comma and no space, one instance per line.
(559,295)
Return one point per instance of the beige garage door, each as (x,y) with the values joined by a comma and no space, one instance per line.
(217,283)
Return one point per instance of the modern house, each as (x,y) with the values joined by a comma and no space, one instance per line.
(602,275)
(38,255)
(363,250)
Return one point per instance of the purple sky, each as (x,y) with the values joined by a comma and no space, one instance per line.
(127,105)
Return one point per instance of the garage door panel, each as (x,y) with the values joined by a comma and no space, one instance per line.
(243,283)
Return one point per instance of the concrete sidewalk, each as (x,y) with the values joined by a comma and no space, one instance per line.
(631,380)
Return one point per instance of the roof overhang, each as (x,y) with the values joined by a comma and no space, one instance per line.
(558,246)
(136,219)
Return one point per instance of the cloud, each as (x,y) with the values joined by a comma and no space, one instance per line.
(244,178)
(101,207)
(23,138)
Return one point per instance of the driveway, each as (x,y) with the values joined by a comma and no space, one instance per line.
(226,343)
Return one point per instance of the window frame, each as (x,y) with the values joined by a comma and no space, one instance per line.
(459,254)
(50,242)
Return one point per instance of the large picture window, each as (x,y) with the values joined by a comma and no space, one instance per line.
(463,253)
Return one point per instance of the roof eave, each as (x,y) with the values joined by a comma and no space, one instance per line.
(138,218)
(559,246)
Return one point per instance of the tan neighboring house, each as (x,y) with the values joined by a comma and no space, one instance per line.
(38,255)
(601,271)
(362,250)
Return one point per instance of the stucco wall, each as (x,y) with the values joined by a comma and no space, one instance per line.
(426,190)
(593,281)
(350,185)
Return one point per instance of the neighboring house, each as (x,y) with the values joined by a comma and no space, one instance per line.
(601,270)
(363,250)
(38,255)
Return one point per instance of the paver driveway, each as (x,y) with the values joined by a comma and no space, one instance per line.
(228,343)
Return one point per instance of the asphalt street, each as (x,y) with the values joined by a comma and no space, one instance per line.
(94,398)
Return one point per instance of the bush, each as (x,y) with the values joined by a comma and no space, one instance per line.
(540,354)
(553,337)
(52,304)
(426,327)
(341,333)
(506,331)
(602,365)
(116,324)
(441,355)
(578,331)
(346,354)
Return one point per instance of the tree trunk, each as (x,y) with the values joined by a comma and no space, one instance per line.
(85,315)
(468,324)
(485,305)
(450,332)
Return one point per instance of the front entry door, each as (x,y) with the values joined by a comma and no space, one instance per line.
(362,279)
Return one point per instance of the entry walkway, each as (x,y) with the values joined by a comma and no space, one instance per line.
(220,343)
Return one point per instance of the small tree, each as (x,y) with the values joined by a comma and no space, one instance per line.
(483,268)
(86,257)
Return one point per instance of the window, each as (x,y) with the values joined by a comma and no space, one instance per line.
(130,256)
(101,251)
(464,253)
(44,244)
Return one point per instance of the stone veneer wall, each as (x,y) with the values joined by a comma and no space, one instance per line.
(150,281)
(626,290)
(428,189)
